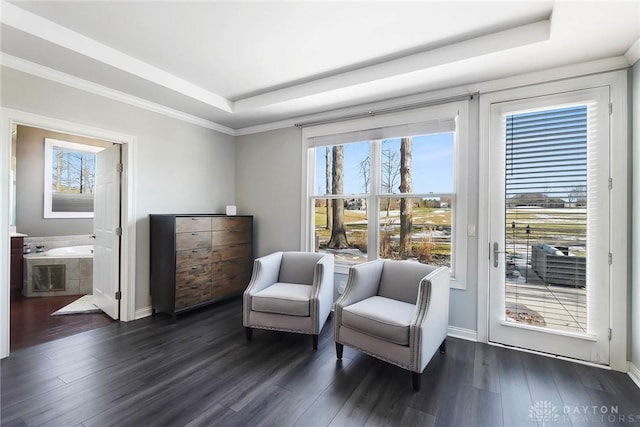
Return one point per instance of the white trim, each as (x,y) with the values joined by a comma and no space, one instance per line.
(141,313)
(10,117)
(462,333)
(96,89)
(634,373)
(617,80)
(632,55)
(551,356)
(553,74)
(532,78)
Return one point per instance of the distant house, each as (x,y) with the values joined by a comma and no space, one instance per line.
(356,204)
(539,200)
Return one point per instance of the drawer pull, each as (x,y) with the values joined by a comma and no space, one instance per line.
(194,251)
(194,234)
(194,268)
(193,219)
(194,287)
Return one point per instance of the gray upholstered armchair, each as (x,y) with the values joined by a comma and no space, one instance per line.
(397,311)
(289,291)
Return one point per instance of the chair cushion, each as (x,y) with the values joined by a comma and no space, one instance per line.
(380,317)
(298,267)
(400,279)
(283,298)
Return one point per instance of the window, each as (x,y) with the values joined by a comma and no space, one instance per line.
(390,187)
(69,179)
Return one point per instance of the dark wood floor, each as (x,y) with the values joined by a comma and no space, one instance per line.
(200,371)
(32,323)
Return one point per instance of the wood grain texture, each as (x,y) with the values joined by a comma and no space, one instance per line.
(201,371)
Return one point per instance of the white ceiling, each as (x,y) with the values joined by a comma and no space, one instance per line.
(242,64)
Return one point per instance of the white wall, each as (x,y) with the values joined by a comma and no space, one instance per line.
(634,341)
(181,168)
(269,186)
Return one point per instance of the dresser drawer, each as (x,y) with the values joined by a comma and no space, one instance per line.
(191,257)
(231,223)
(193,240)
(231,285)
(223,253)
(193,223)
(185,277)
(230,268)
(187,296)
(230,237)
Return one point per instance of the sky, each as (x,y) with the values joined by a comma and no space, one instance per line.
(432,165)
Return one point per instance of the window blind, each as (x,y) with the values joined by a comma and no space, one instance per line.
(546,183)
(386,132)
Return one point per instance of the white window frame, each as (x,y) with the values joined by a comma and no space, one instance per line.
(49,144)
(455,110)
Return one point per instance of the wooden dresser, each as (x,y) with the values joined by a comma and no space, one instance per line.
(198,259)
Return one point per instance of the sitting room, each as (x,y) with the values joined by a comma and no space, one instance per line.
(320,213)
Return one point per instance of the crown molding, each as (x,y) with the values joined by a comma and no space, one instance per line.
(548,75)
(96,89)
(42,28)
(633,53)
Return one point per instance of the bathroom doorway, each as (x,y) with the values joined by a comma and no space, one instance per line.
(31,315)
(54,188)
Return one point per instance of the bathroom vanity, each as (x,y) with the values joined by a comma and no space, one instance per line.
(15,283)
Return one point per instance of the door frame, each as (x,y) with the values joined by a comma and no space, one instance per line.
(9,118)
(620,228)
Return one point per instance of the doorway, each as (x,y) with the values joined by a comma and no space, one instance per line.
(549,225)
(125,272)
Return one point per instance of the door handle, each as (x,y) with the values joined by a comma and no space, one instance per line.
(495,254)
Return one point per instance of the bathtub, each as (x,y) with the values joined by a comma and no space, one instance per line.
(65,270)
(83,251)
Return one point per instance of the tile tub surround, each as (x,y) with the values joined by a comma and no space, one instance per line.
(78,275)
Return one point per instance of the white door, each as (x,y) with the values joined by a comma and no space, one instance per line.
(106,224)
(549,224)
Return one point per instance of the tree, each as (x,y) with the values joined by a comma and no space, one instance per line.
(406,208)
(338,232)
(390,172)
(578,196)
(327,183)
(365,173)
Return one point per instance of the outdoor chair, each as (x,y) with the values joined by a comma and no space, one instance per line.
(396,311)
(289,291)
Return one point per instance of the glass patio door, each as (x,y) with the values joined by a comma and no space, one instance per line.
(549,225)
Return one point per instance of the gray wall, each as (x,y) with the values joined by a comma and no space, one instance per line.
(30,186)
(269,186)
(634,342)
(180,168)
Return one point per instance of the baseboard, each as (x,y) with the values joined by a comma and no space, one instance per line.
(462,333)
(634,373)
(142,312)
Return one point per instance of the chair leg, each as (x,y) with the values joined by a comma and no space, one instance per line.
(249,333)
(314,341)
(443,346)
(416,378)
(339,349)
